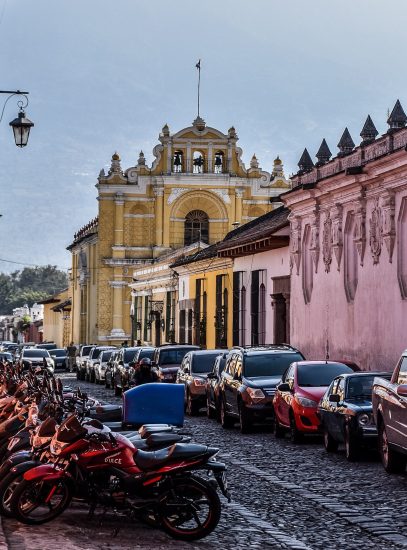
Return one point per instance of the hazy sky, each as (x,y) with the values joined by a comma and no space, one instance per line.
(107,75)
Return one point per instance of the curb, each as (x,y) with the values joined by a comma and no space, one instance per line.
(3,541)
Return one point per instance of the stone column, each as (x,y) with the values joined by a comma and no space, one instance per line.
(117,317)
(210,158)
(118,220)
(188,165)
(159,208)
(169,157)
(238,204)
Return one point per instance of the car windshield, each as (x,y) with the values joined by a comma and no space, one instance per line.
(173,356)
(129,355)
(106,355)
(145,353)
(58,352)
(269,364)
(203,362)
(359,387)
(85,351)
(35,353)
(319,374)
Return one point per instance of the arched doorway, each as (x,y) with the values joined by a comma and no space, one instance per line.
(196,227)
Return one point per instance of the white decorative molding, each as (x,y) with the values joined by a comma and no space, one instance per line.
(337,239)
(314,244)
(295,244)
(359,234)
(223,194)
(139,216)
(118,284)
(327,242)
(176,192)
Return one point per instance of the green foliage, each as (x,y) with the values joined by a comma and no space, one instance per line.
(29,285)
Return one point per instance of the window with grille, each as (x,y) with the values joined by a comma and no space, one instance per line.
(196,227)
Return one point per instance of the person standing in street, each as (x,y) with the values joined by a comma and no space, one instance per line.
(71,349)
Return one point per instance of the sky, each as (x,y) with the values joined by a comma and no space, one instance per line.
(105,76)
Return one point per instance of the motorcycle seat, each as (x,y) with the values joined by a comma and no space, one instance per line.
(107,408)
(149,460)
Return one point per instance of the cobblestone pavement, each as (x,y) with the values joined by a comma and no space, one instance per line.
(283,496)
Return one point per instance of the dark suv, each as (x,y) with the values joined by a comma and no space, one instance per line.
(248,383)
(168,360)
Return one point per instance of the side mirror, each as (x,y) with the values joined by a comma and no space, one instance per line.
(402,390)
(284,387)
(334,398)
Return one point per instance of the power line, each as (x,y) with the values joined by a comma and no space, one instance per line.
(31,265)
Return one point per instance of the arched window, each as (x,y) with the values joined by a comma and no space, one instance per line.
(219,162)
(196,227)
(177,161)
(198,163)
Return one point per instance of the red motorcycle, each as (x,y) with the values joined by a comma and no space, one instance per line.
(160,487)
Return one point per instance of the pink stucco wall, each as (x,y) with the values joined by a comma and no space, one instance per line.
(276,263)
(371,330)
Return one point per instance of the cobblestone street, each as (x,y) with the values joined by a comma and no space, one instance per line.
(283,496)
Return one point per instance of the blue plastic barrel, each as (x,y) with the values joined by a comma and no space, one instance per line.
(154,403)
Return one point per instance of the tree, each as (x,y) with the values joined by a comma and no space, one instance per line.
(29,285)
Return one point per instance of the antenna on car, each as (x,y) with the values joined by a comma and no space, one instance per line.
(327,351)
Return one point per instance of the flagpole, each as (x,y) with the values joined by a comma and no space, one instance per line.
(198,65)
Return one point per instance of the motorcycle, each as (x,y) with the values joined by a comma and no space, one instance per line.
(106,469)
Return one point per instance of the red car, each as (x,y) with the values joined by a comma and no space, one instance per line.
(297,396)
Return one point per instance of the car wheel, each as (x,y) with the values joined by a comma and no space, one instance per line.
(279,431)
(192,406)
(117,390)
(245,420)
(352,449)
(225,419)
(210,413)
(393,462)
(330,444)
(295,435)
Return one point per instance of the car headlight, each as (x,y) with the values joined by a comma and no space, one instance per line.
(305,402)
(199,382)
(255,394)
(364,419)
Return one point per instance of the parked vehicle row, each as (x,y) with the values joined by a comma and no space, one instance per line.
(276,385)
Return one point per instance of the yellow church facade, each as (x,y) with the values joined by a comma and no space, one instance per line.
(196,190)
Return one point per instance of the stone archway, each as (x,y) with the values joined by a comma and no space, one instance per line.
(206,201)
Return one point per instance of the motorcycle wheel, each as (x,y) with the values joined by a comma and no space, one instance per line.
(29,501)
(190,510)
(7,487)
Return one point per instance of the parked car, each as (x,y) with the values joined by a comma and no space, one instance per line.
(141,353)
(298,395)
(47,345)
(389,400)
(192,373)
(60,358)
(100,365)
(168,359)
(212,388)
(110,368)
(346,414)
(81,361)
(37,358)
(121,377)
(6,356)
(248,383)
(93,356)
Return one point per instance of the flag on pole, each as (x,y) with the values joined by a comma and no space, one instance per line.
(198,65)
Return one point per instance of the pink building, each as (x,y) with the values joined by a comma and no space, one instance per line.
(348,248)
(261,279)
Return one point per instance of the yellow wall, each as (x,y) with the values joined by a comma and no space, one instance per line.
(210,288)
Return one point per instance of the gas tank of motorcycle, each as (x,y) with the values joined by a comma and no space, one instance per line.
(120,455)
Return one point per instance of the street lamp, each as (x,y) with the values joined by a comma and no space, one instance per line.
(21,125)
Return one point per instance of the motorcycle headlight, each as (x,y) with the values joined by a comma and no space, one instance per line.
(305,402)
(364,420)
(255,394)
